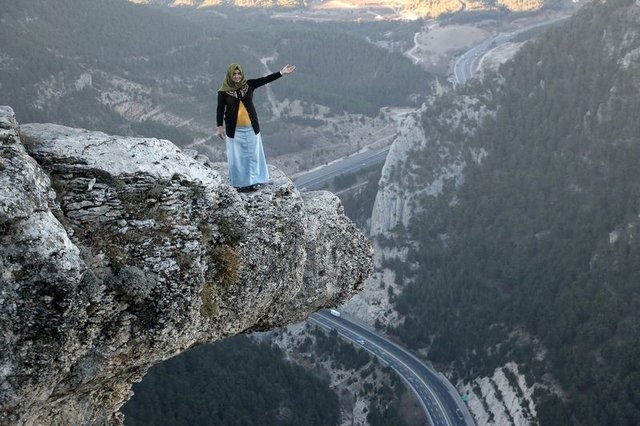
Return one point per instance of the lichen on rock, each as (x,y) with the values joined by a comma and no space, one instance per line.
(120,252)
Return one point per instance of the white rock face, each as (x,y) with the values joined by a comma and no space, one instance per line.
(83,81)
(406,182)
(373,304)
(392,204)
(117,253)
(407,177)
(501,401)
(392,207)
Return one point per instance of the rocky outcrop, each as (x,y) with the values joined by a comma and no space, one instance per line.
(425,159)
(392,206)
(425,162)
(117,253)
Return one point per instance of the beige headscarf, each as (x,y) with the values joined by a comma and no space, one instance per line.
(228,85)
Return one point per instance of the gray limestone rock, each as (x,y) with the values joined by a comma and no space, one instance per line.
(118,252)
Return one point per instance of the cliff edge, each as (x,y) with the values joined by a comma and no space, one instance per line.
(117,253)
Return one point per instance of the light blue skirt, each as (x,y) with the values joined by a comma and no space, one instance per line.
(245,158)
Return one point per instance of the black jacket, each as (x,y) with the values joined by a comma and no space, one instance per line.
(228,105)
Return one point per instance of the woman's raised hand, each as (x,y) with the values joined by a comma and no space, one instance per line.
(287,69)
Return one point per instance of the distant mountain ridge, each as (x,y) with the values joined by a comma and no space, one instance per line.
(212,3)
(422,8)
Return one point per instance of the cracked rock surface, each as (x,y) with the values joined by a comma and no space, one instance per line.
(118,252)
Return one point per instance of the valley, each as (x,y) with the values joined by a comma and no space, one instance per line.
(369,80)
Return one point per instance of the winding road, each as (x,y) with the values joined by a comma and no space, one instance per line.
(319,178)
(463,71)
(466,64)
(442,404)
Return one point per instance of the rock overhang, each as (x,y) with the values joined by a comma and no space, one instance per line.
(120,252)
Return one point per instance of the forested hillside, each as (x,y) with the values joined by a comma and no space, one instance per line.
(534,256)
(240,381)
(234,382)
(101,65)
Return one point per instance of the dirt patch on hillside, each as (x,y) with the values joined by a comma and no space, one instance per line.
(451,38)
(435,47)
(495,57)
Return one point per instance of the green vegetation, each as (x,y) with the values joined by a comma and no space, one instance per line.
(344,355)
(221,247)
(172,60)
(541,240)
(234,382)
(345,73)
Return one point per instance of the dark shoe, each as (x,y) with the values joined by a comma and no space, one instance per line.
(249,188)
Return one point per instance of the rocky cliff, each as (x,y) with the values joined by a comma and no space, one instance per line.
(118,253)
(423,162)
(425,159)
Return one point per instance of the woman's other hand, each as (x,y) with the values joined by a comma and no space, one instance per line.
(221,133)
(287,69)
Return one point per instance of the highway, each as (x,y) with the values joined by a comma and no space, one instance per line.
(463,71)
(442,404)
(466,64)
(321,176)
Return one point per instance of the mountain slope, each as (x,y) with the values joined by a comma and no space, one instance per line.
(528,251)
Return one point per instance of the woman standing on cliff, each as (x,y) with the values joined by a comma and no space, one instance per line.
(241,130)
